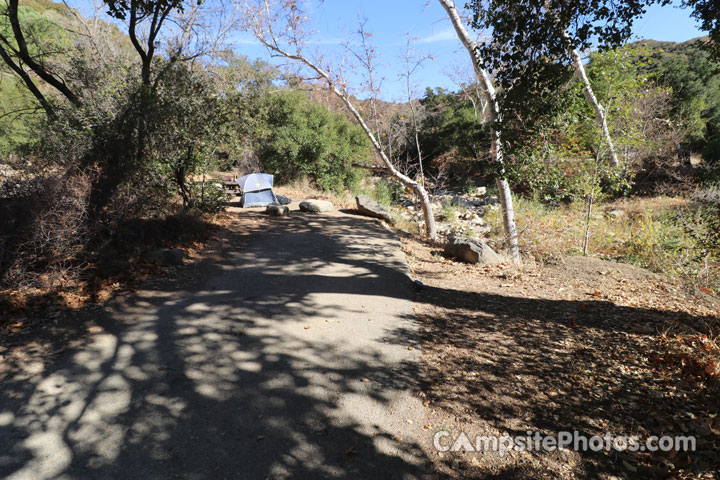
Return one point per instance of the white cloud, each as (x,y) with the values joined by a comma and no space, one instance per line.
(445,35)
(247,41)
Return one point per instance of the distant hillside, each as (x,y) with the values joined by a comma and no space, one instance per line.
(660,52)
(694,77)
(673,47)
(49,8)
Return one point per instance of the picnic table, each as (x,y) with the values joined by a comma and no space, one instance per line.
(230,183)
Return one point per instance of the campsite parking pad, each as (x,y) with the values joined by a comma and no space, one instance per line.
(288,350)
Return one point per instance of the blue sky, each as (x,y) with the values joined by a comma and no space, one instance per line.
(392,20)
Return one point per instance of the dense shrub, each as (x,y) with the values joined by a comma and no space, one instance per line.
(704,224)
(386,192)
(306,139)
(44,228)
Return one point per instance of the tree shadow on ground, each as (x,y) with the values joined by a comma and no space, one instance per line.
(512,364)
(212,374)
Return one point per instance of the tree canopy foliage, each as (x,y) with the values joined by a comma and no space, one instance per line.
(306,139)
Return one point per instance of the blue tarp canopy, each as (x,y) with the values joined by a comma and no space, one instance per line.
(257,190)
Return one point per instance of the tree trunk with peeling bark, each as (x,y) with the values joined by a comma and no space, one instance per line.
(428,215)
(496,153)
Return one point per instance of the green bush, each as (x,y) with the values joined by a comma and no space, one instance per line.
(535,178)
(704,227)
(211,197)
(306,139)
(449,211)
(386,192)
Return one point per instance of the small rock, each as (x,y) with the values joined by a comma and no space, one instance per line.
(461,202)
(472,251)
(171,256)
(277,210)
(316,206)
(480,191)
(492,201)
(478,220)
(371,208)
(283,200)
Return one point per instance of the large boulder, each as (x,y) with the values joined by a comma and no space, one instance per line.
(369,207)
(277,210)
(472,251)
(316,206)
(169,256)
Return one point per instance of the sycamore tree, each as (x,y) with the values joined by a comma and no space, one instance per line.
(534,47)
(494,123)
(282,27)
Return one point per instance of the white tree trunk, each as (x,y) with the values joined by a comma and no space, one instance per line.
(345,98)
(496,153)
(594,104)
(587,90)
(430,229)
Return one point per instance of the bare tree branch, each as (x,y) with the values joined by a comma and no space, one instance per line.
(261,19)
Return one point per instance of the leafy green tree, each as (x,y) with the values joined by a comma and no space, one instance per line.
(186,126)
(707,12)
(691,72)
(553,162)
(452,134)
(304,138)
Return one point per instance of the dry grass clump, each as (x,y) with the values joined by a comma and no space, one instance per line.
(655,233)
